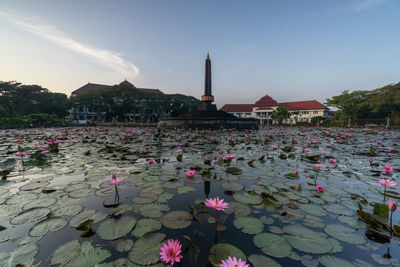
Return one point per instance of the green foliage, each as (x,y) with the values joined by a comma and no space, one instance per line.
(18,99)
(379,103)
(280,113)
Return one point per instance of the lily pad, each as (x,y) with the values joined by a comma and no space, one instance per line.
(144,226)
(115,228)
(345,234)
(70,210)
(52,224)
(146,250)
(248,198)
(153,210)
(307,240)
(23,255)
(177,219)
(332,261)
(41,202)
(273,245)
(263,261)
(249,225)
(222,251)
(232,186)
(31,215)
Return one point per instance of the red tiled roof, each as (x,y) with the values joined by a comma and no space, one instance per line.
(266,101)
(301,105)
(264,108)
(237,108)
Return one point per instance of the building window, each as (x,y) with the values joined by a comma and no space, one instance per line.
(315,112)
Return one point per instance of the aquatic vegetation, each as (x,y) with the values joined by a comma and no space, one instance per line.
(124,192)
(233,262)
(171,252)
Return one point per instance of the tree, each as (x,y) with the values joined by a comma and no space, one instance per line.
(15,97)
(280,113)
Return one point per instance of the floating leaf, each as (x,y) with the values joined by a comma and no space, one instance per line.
(52,224)
(124,245)
(222,251)
(115,228)
(262,261)
(70,210)
(273,245)
(248,198)
(307,240)
(65,253)
(146,249)
(23,255)
(41,202)
(144,226)
(177,219)
(344,233)
(31,215)
(153,210)
(232,186)
(186,189)
(233,170)
(238,208)
(34,185)
(332,261)
(249,225)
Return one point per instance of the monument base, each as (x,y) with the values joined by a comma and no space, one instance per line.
(206,106)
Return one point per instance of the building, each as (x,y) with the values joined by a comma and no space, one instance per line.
(143,110)
(302,111)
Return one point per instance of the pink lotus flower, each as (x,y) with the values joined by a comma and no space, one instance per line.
(170,253)
(44,152)
(296,171)
(319,188)
(115,181)
(20,154)
(322,153)
(388,168)
(151,161)
(215,157)
(216,203)
(233,262)
(178,151)
(332,160)
(229,156)
(386,182)
(307,150)
(274,147)
(190,173)
(319,165)
(221,151)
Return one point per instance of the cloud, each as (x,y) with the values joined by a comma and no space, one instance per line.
(37,26)
(368,3)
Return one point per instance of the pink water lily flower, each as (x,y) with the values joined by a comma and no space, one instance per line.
(229,156)
(178,151)
(319,188)
(307,150)
(191,173)
(274,147)
(151,161)
(386,182)
(319,165)
(216,203)
(331,160)
(115,181)
(20,154)
(392,205)
(388,168)
(170,252)
(44,152)
(233,262)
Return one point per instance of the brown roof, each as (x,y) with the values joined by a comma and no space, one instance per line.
(301,105)
(266,101)
(264,108)
(89,87)
(94,86)
(237,108)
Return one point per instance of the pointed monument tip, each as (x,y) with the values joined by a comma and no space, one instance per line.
(208,55)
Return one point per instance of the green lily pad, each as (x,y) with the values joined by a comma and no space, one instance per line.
(248,198)
(41,202)
(263,261)
(345,234)
(185,189)
(115,228)
(153,210)
(249,225)
(307,240)
(332,261)
(70,210)
(273,245)
(222,251)
(144,226)
(52,224)
(34,186)
(177,219)
(23,255)
(238,208)
(31,215)
(146,250)
(232,186)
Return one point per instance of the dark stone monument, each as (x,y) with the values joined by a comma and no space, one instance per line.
(207,116)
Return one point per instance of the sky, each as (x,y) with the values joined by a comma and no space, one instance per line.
(289,49)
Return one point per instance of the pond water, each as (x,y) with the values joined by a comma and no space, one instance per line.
(57,206)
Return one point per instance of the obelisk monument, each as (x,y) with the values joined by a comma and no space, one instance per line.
(207,98)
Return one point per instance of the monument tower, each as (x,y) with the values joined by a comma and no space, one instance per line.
(207,98)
